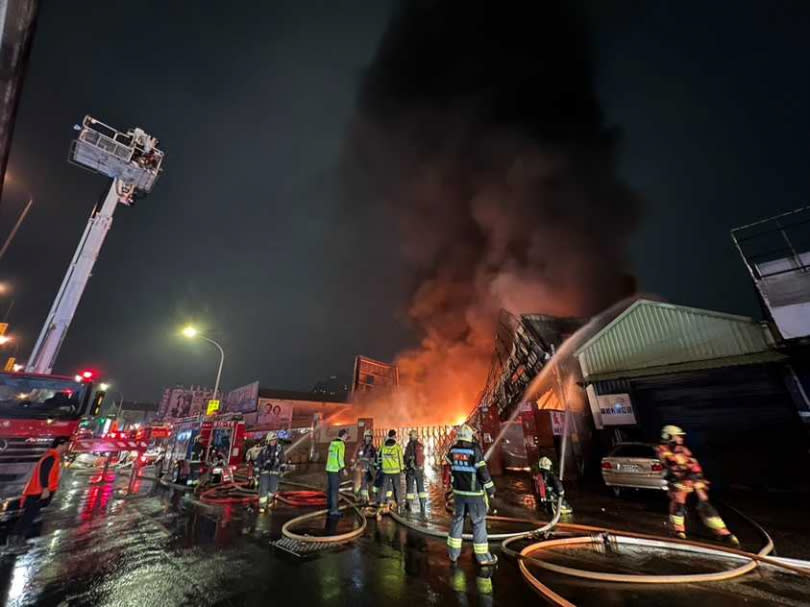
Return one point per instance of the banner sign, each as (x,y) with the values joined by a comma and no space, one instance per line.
(184,402)
(243,400)
(616,410)
(274,414)
(557,422)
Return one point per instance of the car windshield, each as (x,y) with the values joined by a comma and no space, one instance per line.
(40,397)
(644,451)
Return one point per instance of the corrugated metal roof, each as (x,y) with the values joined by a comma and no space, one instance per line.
(699,365)
(655,334)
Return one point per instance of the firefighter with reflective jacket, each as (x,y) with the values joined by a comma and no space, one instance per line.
(549,488)
(335,466)
(415,473)
(365,460)
(471,486)
(39,490)
(391,464)
(270,464)
(685,476)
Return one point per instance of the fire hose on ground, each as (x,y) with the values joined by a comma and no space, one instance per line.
(308,497)
(599,535)
(312,496)
(286,529)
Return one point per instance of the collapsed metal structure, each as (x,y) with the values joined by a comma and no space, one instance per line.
(523,346)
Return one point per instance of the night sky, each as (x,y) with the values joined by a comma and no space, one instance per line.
(247,233)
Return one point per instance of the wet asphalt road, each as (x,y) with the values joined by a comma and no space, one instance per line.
(159,548)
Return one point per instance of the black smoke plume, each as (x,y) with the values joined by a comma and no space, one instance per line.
(479,124)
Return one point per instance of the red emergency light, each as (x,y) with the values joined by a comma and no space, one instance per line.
(85,376)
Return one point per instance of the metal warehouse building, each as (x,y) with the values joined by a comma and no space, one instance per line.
(716,375)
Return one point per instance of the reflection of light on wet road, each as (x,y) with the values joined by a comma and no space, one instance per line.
(19,582)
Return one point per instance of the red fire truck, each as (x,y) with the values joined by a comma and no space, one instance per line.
(35,409)
(222,434)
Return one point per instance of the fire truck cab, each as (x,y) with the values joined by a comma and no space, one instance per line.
(34,410)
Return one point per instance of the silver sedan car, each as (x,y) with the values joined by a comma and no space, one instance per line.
(633,466)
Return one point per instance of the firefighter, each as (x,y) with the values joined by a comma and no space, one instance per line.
(270,464)
(472,490)
(549,488)
(391,463)
(379,479)
(685,476)
(365,459)
(415,473)
(335,465)
(40,489)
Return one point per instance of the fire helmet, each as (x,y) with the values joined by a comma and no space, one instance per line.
(271,436)
(465,433)
(413,434)
(544,463)
(669,432)
(368,434)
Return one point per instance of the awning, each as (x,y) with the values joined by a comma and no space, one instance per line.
(697,365)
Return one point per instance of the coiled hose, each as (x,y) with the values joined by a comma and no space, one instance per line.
(599,535)
(286,529)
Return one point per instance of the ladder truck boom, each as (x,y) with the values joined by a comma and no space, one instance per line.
(134,163)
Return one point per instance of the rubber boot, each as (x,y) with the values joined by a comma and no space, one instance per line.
(490,561)
(423,506)
(731,540)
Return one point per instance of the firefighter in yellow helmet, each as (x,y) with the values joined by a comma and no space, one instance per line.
(684,476)
(471,486)
(549,488)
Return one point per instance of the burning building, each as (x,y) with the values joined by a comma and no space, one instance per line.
(483,134)
(530,428)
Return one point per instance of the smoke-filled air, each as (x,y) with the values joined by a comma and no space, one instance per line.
(482,131)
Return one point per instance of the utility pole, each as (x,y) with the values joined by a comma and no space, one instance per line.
(16,227)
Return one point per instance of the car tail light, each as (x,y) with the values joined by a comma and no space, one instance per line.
(607,465)
(657,467)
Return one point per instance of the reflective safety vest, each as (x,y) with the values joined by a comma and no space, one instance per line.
(335,460)
(391,457)
(34,487)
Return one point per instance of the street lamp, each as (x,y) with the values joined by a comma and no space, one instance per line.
(191,332)
(4,339)
(103,387)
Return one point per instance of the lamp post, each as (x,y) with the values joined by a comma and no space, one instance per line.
(16,227)
(191,333)
(112,396)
